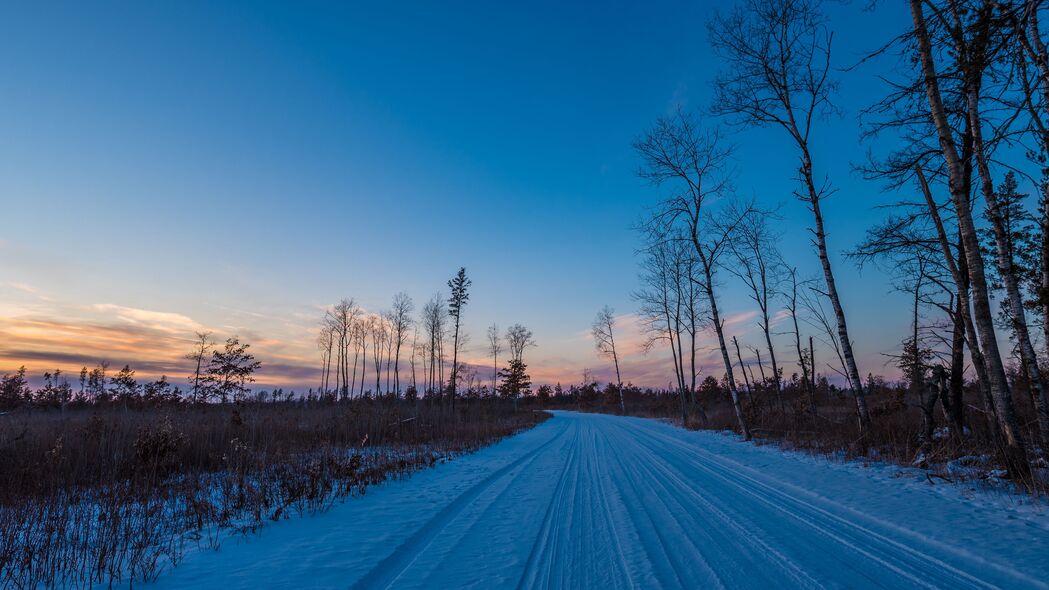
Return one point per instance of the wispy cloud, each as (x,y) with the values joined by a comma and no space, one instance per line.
(43,333)
(156,320)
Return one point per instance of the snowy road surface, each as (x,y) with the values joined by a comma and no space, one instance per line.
(593,501)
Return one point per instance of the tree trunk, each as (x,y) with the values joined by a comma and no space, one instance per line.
(619,380)
(806,383)
(1015,453)
(364,365)
(356,356)
(956,405)
(718,328)
(677,366)
(743,369)
(1006,269)
(772,359)
(455,363)
(832,293)
(397,368)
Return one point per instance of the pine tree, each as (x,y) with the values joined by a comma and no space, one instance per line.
(123,387)
(1021,244)
(96,383)
(14,389)
(230,370)
(515,381)
(458,299)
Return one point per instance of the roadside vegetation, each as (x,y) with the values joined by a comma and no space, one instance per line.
(106,493)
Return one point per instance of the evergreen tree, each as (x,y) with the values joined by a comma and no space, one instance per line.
(543,394)
(55,392)
(14,389)
(123,387)
(914,363)
(230,370)
(460,295)
(1022,246)
(160,391)
(515,381)
(96,383)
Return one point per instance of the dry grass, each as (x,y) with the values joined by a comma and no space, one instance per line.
(99,495)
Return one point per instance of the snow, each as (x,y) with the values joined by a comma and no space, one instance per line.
(597,501)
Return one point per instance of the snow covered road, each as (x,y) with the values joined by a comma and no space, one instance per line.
(594,501)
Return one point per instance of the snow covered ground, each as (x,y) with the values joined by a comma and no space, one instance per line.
(595,501)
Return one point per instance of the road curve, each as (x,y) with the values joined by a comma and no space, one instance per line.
(595,501)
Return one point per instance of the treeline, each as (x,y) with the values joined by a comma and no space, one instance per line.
(388,354)
(220,374)
(967,107)
(362,352)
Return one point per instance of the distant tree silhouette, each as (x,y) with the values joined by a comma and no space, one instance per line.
(14,389)
(202,346)
(96,383)
(459,286)
(518,338)
(515,381)
(604,339)
(230,370)
(400,322)
(495,346)
(123,387)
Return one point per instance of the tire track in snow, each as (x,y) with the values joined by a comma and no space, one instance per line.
(389,569)
(608,485)
(933,572)
(541,547)
(856,543)
(684,495)
(487,512)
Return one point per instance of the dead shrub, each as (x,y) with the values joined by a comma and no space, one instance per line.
(97,496)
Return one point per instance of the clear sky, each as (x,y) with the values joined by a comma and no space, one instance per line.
(237,167)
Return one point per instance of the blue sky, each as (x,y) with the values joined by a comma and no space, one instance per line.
(241,166)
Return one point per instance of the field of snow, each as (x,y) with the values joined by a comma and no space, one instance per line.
(597,501)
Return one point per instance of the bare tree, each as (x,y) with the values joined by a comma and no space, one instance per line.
(662,299)
(360,335)
(909,248)
(518,338)
(414,351)
(378,332)
(792,308)
(433,320)
(341,319)
(760,267)
(743,369)
(777,72)
(202,345)
(678,153)
(325,342)
(817,317)
(602,329)
(495,346)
